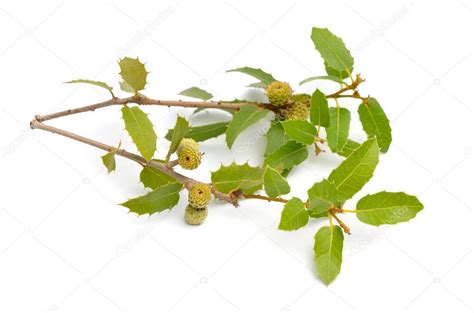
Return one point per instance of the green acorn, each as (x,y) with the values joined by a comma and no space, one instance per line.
(297,111)
(279,93)
(189,156)
(301,97)
(195,216)
(199,195)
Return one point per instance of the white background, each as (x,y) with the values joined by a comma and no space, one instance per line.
(65,244)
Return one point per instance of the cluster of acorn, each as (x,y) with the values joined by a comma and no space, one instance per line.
(189,157)
(291,106)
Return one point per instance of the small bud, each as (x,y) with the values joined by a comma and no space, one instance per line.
(279,93)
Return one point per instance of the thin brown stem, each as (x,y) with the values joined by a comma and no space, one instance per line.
(353,86)
(187,181)
(141,100)
(346,229)
(269,199)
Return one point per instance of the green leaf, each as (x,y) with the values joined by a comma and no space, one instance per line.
(198,93)
(294,215)
(180,130)
(356,170)
(234,177)
(141,130)
(375,123)
(203,132)
(338,130)
(275,184)
(335,73)
(332,50)
(109,161)
(349,147)
(328,243)
(157,200)
(326,77)
(321,197)
(300,131)
(92,82)
(258,85)
(259,74)
(319,110)
(290,154)
(276,137)
(387,208)
(153,178)
(133,73)
(126,87)
(244,118)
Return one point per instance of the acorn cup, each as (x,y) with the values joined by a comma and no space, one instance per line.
(279,93)
(188,153)
(199,198)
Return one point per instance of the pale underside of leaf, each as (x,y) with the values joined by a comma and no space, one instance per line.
(235,177)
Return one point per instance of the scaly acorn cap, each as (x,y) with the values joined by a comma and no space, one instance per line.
(199,195)
(195,216)
(189,156)
(279,93)
(301,97)
(298,111)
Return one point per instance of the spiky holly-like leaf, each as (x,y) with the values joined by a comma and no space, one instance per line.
(133,73)
(198,93)
(294,215)
(158,200)
(234,177)
(140,130)
(108,160)
(153,178)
